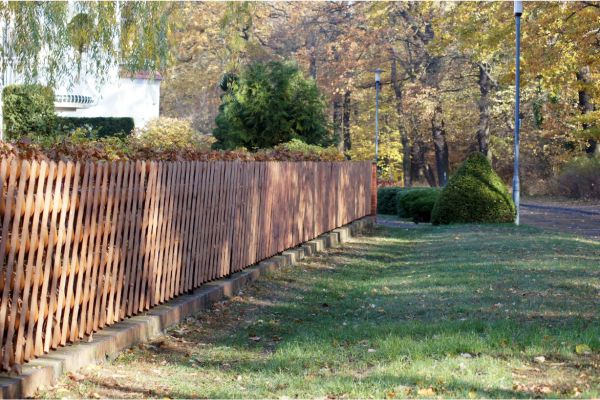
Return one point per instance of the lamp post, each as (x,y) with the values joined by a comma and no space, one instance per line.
(516,184)
(377,87)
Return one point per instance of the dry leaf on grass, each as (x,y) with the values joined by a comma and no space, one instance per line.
(426,391)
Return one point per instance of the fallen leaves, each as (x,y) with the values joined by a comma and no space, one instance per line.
(429,391)
(583,349)
(75,377)
(536,389)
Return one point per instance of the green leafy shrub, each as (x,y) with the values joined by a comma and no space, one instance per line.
(172,133)
(268,104)
(579,179)
(28,110)
(99,127)
(306,151)
(417,203)
(475,193)
(387,199)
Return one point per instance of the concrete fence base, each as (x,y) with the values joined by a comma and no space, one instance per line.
(109,342)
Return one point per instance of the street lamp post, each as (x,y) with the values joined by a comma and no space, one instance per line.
(516,184)
(377,87)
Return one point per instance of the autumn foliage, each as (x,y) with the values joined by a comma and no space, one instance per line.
(113,149)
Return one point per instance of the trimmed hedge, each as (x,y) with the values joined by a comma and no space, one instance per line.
(28,109)
(101,126)
(475,193)
(417,204)
(387,201)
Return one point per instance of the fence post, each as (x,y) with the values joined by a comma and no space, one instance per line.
(373,189)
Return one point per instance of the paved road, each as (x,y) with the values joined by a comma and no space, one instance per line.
(579,220)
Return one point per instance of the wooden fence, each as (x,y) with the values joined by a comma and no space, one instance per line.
(85,245)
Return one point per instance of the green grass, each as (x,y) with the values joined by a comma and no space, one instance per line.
(455,311)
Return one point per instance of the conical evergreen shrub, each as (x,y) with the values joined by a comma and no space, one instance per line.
(475,193)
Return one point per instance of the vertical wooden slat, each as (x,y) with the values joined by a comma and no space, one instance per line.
(211,191)
(254,207)
(184,281)
(207,222)
(15,168)
(163,276)
(87,240)
(37,313)
(155,239)
(261,205)
(30,175)
(225,220)
(180,211)
(101,173)
(98,251)
(30,289)
(182,234)
(237,243)
(247,242)
(70,262)
(230,213)
(55,267)
(64,267)
(174,260)
(122,219)
(143,265)
(220,216)
(108,240)
(118,308)
(133,275)
(201,226)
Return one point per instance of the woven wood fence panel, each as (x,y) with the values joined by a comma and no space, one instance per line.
(84,245)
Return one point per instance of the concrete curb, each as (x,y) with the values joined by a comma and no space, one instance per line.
(109,342)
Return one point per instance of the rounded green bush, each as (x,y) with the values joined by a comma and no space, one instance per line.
(475,193)
(387,200)
(408,197)
(420,209)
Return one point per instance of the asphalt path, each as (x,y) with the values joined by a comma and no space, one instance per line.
(581,220)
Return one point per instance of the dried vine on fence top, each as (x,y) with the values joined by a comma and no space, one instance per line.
(113,150)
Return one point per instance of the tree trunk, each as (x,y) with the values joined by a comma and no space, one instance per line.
(346,121)
(440,146)
(429,175)
(417,161)
(406,167)
(313,65)
(483,130)
(405,158)
(415,166)
(586,105)
(337,124)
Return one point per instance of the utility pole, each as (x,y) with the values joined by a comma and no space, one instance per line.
(516,184)
(377,87)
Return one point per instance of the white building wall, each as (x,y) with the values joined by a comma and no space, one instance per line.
(123,97)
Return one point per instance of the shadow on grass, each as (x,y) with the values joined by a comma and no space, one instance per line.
(400,309)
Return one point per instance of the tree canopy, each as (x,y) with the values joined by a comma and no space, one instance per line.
(448,81)
(268,104)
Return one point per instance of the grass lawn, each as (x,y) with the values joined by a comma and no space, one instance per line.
(460,311)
